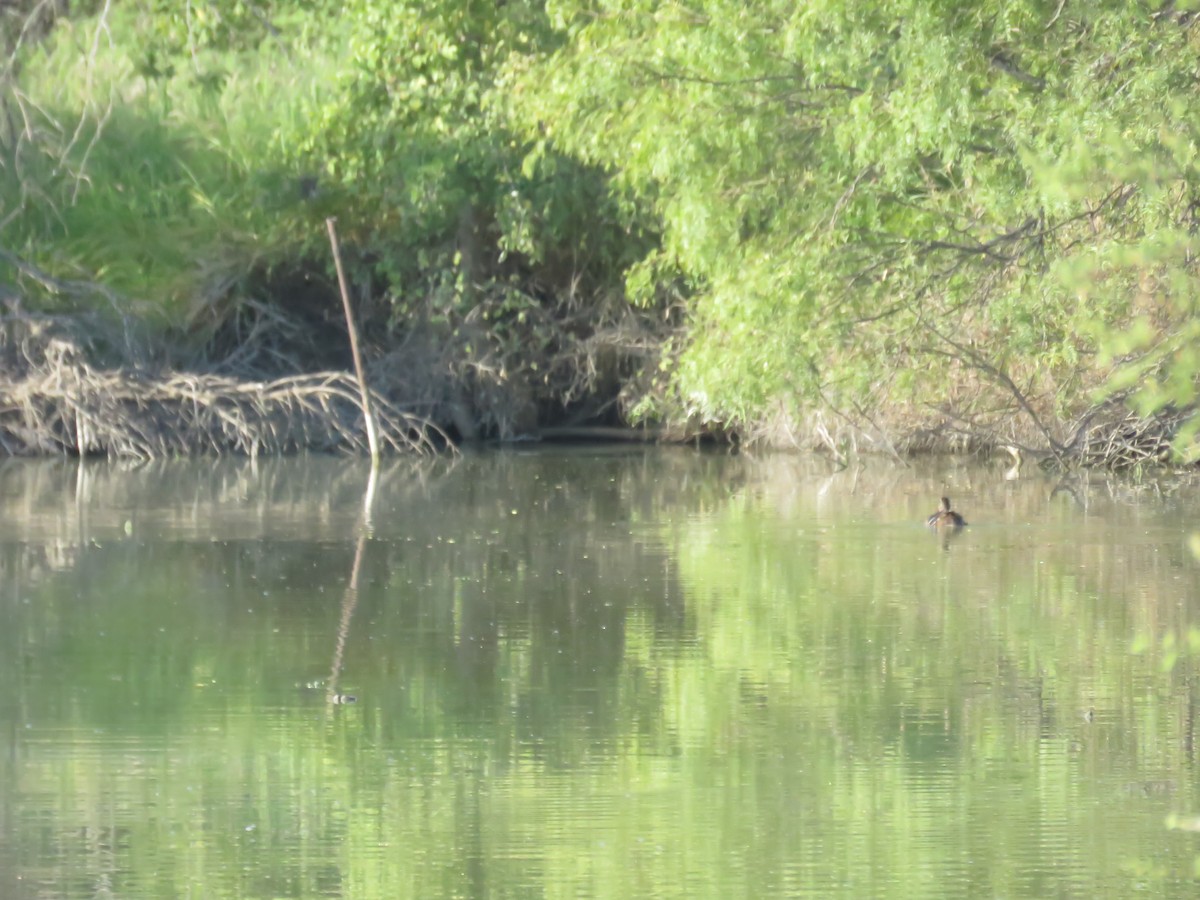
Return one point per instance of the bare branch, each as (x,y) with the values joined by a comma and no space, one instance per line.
(976,360)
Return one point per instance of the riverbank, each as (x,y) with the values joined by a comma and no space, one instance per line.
(62,394)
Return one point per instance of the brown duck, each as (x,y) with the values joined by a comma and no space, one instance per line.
(945,517)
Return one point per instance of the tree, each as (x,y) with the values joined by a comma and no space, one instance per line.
(892,203)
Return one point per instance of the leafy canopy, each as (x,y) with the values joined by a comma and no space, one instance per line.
(859,191)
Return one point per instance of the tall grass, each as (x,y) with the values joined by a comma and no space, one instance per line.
(169,187)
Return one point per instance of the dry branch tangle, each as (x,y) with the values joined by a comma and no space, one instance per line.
(53,401)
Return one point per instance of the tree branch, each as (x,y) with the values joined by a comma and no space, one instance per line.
(977,361)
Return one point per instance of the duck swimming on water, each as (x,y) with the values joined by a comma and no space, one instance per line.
(945,517)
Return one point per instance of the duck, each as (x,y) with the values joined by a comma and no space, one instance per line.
(945,517)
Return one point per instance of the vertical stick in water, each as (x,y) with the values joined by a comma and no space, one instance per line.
(349,600)
(372,436)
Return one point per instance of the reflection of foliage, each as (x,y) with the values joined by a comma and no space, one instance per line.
(591,674)
(1177,644)
(910,664)
(469,652)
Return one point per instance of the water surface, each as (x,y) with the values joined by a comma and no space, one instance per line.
(594,673)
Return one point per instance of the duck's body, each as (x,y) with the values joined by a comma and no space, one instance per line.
(945,517)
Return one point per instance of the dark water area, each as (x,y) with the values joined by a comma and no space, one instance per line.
(595,673)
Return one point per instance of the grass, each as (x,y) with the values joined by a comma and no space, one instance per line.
(169,189)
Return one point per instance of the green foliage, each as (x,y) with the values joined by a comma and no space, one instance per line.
(197,149)
(843,196)
(168,186)
(435,179)
(855,186)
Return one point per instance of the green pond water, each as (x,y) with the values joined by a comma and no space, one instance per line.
(595,673)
